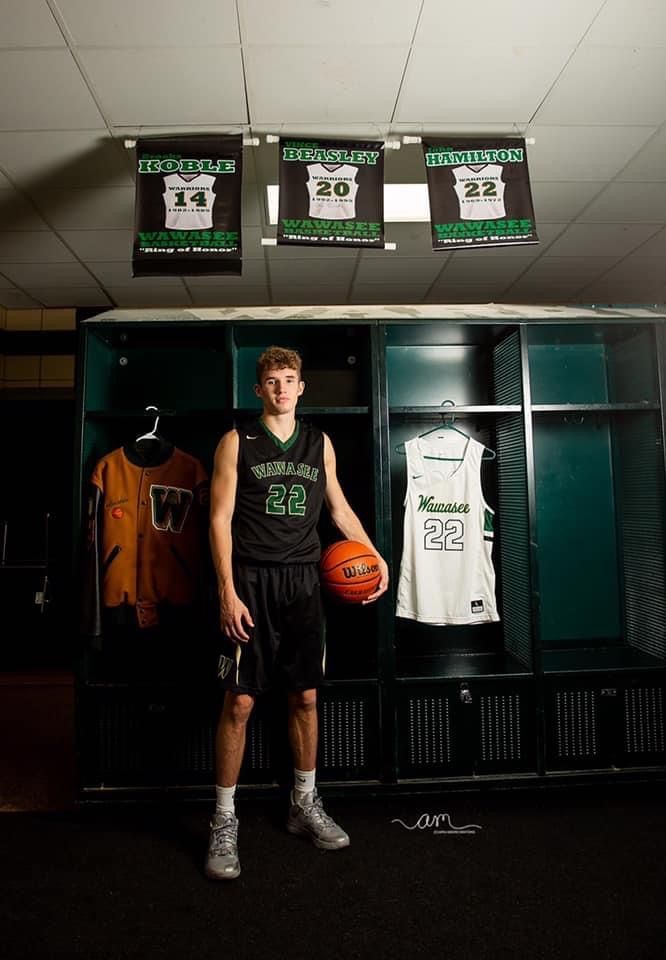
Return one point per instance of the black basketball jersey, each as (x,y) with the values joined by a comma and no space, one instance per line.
(279,495)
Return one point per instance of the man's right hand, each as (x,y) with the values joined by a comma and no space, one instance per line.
(235,617)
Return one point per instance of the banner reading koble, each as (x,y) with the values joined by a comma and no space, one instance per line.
(479,191)
(331,193)
(187,214)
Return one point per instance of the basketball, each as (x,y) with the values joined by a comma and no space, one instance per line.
(349,571)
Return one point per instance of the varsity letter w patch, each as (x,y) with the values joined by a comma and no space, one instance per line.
(170,507)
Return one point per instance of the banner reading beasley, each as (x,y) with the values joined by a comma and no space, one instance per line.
(331,193)
(187,214)
(479,193)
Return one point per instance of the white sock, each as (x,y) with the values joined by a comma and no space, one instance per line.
(224,799)
(304,783)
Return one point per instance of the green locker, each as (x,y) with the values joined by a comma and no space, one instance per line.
(570,681)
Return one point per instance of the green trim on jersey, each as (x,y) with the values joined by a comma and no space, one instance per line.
(276,440)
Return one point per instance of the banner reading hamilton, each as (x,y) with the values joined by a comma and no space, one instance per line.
(187,214)
(479,193)
(331,193)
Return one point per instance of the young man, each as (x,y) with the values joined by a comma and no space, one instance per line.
(269,483)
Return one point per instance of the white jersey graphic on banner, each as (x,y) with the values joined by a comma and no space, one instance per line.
(332,189)
(189,201)
(480,191)
(446,572)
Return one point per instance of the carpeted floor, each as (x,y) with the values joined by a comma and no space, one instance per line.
(538,874)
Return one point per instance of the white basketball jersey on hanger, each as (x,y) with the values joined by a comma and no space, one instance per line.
(446,573)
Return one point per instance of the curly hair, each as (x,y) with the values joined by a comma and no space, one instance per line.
(278,358)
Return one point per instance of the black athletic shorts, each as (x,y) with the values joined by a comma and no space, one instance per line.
(286,645)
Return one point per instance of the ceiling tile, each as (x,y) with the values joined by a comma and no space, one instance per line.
(515,23)
(134,88)
(151,23)
(465,293)
(17,213)
(408,269)
(388,292)
(322,84)
(601,239)
(217,296)
(583,153)
(640,23)
(29,23)
(16,299)
(43,89)
(31,246)
(567,269)
(628,202)
(157,295)
(119,274)
(100,244)
(47,274)
(635,279)
(542,291)
(331,270)
(111,208)
(498,269)
(563,200)
(305,22)
(655,246)
(306,295)
(44,160)
(621,85)
(650,162)
(412,240)
(509,88)
(67,296)
(255,274)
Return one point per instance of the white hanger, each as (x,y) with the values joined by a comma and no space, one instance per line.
(152,435)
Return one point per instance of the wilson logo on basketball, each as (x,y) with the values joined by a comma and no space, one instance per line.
(360,570)
(349,571)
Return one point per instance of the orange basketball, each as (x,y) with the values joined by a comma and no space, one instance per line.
(349,571)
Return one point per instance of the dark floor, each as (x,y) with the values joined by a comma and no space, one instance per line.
(537,874)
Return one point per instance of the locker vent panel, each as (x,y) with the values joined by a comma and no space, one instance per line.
(500,728)
(640,512)
(344,734)
(576,724)
(118,743)
(194,749)
(644,720)
(257,745)
(512,522)
(429,731)
(506,370)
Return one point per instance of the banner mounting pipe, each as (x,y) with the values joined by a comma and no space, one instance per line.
(247,142)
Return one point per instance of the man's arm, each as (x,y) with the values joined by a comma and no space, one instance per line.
(346,520)
(234,615)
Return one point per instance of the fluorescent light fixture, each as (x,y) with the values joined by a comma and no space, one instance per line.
(403,202)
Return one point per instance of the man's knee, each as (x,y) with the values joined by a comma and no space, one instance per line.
(237,708)
(303,701)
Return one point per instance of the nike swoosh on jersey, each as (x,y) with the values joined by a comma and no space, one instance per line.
(248,437)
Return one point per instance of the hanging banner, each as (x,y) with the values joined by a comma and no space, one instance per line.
(187,213)
(479,193)
(331,193)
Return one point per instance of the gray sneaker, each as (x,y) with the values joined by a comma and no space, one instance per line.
(222,862)
(309,819)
